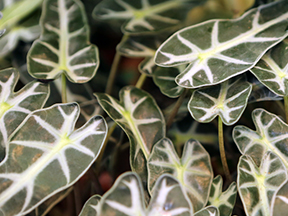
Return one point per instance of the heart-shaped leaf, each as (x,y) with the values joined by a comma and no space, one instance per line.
(208,211)
(193,170)
(45,147)
(272,69)
(164,78)
(91,207)
(257,185)
(280,201)
(228,99)
(144,16)
(126,197)
(271,135)
(219,49)
(223,201)
(142,120)
(65,42)
(14,107)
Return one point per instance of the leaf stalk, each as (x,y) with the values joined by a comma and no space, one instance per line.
(64,92)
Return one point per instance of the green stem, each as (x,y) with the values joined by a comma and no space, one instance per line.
(113,70)
(286,107)
(64,92)
(176,108)
(141,81)
(222,150)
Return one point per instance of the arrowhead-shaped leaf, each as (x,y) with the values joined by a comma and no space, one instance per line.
(144,16)
(142,120)
(271,135)
(14,107)
(272,69)
(193,170)
(43,149)
(126,197)
(228,99)
(280,201)
(208,211)
(219,49)
(223,201)
(257,185)
(65,42)
(91,207)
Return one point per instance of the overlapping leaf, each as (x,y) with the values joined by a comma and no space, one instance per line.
(208,211)
(280,201)
(228,99)
(126,197)
(257,185)
(193,170)
(164,78)
(271,135)
(140,117)
(65,42)
(272,69)
(91,207)
(14,107)
(223,201)
(219,49)
(45,147)
(144,16)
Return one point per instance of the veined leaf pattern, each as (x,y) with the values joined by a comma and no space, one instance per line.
(164,78)
(257,185)
(193,170)
(65,42)
(2,30)
(91,207)
(208,211)
(45,147)
(217,50)
(126,197)
(144,16)
(142,120)
(272,69)
(14,107)
(228,100)
(280,201)
(271,135)
(224,201)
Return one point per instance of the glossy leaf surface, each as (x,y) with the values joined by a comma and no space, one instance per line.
(144,16)
(91,207)
(140,117)
(65,42)
(219,49)
(272,69)
(126,197)
(45,147)
(280,201)
(228,100)
(193,170)
(14,107)
(257,185)
(208,211)
(271,135)
(224,201)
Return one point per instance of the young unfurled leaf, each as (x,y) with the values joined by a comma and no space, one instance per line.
(223,201)
(272,69)
(280,201)
(65,42)
(14,107)
(257,185)
(219,49)
(144,16)
(91,207)
(271,135)
(208,211)
(228,99)
(126,197)
(193,170)
(46,156)
(164,78)
(142,120)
